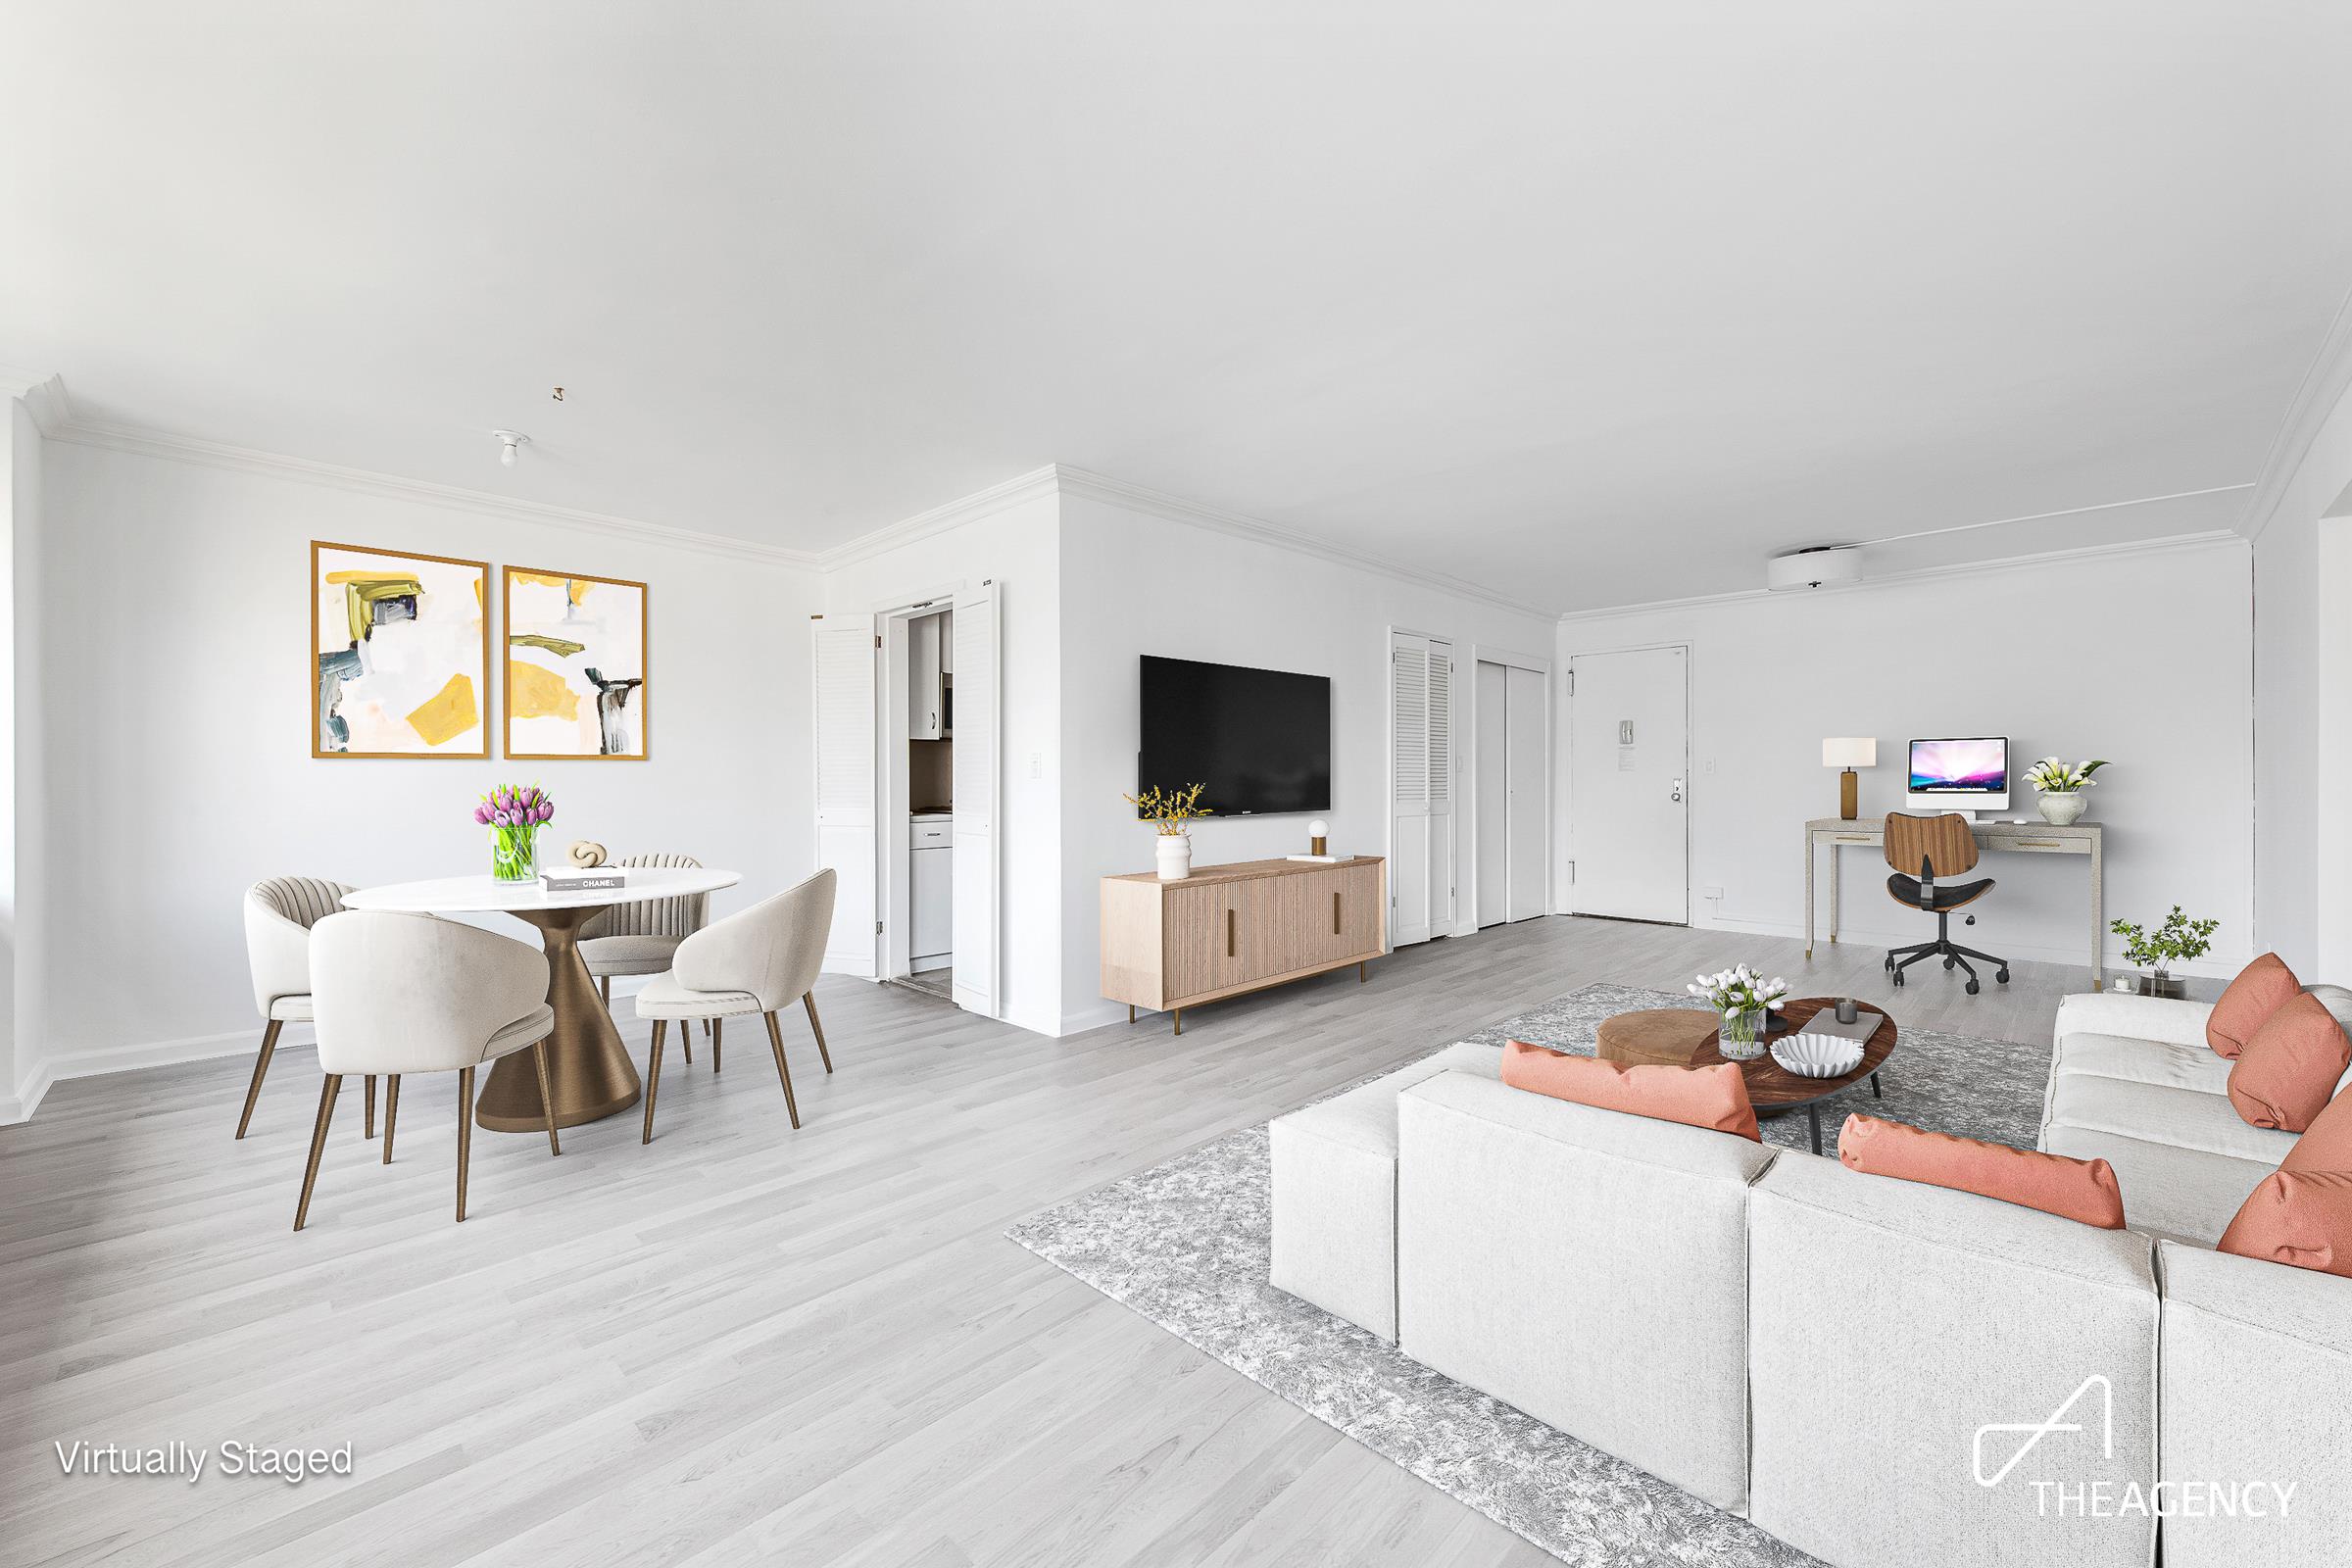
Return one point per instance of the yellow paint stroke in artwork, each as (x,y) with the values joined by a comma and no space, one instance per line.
(534,690)
(574,589)
(556,646)
(449,713)
(361,589)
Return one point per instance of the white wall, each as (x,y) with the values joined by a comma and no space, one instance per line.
(180,768)
(2142,658)
(1015,545)
(22,857)
(1137,584)
(2326,875)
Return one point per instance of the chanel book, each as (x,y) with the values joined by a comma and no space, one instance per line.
(588,879)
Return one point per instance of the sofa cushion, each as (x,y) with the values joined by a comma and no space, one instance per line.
(2144,1062)
(2302,1218)
(2288,1071)
(2260,990)
(2081,1189)
(1714,1097)
(1335,1192)
(2188,1118)
(2255,1386)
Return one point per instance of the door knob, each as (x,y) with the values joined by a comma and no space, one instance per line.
(1677,789)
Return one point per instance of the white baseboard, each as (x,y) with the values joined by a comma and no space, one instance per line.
(19,1106)
(1095,1015)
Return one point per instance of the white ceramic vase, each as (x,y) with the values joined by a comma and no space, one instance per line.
(2063,811)
(1175,855)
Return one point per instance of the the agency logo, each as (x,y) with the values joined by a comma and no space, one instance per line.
(2089,1413)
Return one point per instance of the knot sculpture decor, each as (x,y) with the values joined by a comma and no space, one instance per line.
(586,853)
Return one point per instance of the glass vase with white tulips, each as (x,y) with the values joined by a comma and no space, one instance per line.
(1743,999)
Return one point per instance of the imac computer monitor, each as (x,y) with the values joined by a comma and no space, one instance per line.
(1969,773)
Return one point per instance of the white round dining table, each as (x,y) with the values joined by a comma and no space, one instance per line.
(590,1076)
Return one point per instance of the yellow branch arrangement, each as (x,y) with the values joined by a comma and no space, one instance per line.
(1170,809)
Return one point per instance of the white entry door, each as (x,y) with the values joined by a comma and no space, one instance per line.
(1628,784)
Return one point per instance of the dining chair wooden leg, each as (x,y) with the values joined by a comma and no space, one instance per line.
(604,987)
(775,1038)
(547,1097)
(367,1111)
(653,1073)
(715,1038)
(809,1000)
(686,1039)
(310,1174)
(260,1066)
(391,1111)
(464,1134)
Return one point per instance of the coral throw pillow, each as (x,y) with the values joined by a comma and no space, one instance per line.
(2081,1189)
(2261,989)
(1714,1097)
(2327,1144)
(2299,1217)
(2287,1072)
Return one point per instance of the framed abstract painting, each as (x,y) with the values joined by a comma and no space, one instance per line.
(575,667)
(400,654)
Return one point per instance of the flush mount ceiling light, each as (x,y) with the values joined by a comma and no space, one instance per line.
(509,443)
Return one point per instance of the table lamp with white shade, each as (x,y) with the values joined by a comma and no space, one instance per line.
(1849,754)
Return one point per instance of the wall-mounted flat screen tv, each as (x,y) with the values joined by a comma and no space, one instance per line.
(1258,739)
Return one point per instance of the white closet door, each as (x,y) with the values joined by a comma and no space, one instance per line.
(1408,783)
(1421,772)
(845,658)
(1494,791)
(974,838)
(1441,816)
(1529,695)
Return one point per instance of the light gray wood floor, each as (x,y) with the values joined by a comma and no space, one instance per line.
(741,1344)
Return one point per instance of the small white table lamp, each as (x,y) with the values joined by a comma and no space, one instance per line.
(1318,835)
(1849,754)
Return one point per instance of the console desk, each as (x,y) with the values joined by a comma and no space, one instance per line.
(2022,838)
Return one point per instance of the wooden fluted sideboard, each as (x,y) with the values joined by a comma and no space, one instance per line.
(1227,929)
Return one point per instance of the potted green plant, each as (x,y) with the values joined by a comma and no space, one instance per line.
(2179,940)
(2061,785)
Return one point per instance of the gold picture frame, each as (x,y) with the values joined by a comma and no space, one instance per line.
(398,708)
(580,684)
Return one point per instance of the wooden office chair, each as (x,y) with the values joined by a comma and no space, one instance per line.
(1921,849)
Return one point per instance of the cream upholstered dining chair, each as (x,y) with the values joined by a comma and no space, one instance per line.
(642,938)
(396,994)
(756,960)
(278,915)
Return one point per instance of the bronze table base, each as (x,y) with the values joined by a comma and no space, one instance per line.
(590,1076)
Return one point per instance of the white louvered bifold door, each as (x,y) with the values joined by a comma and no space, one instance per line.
(844,657)
(1442,815)
(1409,789)
(974,838)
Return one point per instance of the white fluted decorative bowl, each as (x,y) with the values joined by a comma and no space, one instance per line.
(1817,1056)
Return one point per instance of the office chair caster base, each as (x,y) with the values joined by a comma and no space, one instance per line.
(1973,988)
(1899,977)
(1947,964)
(2001,974)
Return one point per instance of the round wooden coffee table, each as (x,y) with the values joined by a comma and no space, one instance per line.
(1685,1037)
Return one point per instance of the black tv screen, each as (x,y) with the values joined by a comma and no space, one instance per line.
(1258,739)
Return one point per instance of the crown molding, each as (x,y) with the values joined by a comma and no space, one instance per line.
(44,394)
(2203,539)
(361,481)
(938,520)
(2325,380)
(1176,509)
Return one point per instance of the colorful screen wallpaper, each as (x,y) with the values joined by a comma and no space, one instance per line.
(1964,764)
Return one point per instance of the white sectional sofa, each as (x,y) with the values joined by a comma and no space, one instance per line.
(1818,1350)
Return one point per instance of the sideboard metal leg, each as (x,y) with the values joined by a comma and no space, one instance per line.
(1180,1020)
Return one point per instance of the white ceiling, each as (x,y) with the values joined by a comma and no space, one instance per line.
(1593,309)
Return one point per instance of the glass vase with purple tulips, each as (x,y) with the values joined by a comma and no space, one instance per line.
(514,814)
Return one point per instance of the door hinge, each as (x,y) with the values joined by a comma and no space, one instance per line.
(877,928)
(1571,872)
(1572,683)
(877,639)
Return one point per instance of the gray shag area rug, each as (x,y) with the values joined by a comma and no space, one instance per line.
(1189,1244)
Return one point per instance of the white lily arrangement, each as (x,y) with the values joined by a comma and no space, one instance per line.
(1739,989)
(2053,777)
